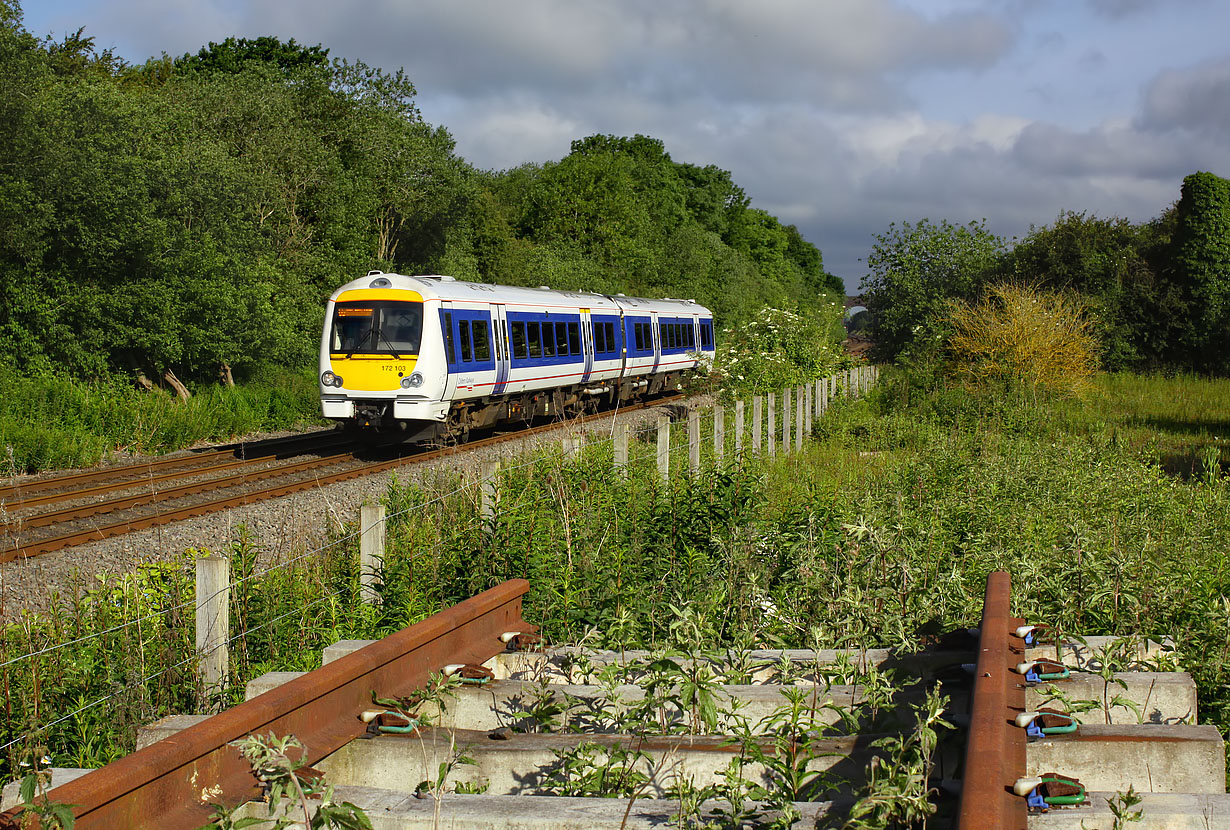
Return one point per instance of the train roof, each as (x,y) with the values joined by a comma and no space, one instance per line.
(439,287)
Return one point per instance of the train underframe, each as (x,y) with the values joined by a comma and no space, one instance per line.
(522,407)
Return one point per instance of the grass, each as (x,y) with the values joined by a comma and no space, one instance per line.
(881,530)
(55,423)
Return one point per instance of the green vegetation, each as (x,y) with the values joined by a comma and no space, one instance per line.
(48,422)
(189,216)
(1157,292)
(881,531)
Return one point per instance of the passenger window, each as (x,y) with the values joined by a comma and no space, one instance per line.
(518,340)
(639,335)
(561,339)
(574,338)
(548,340)
(596,334)
(535,342)
(612,344)
(463,327)
(482,345)
(691,336)
(449,351)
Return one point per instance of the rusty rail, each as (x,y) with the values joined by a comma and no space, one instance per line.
(995,750)
(172,783)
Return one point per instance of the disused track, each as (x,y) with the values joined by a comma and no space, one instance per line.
(172,494)
(175,779)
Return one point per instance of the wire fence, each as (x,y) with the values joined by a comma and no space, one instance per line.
(815,401)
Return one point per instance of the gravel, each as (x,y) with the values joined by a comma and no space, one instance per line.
(280,528)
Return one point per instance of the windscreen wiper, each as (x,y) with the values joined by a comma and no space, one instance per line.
(379,332)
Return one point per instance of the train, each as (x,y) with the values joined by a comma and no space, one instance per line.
(434,357)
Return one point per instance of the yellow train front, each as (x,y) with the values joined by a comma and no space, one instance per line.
(436,357)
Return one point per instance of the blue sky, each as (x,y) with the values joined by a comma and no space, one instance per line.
(839,116)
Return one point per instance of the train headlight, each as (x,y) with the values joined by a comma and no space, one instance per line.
(330,379)
(412,382)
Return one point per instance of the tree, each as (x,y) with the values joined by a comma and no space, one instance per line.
(1202,267)
(916,270)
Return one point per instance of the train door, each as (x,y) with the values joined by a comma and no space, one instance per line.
(448,330)
(587,344)
(499,338)
(657,340)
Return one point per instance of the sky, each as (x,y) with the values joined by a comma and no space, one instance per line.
(838,116)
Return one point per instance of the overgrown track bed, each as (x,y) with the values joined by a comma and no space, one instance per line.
(735,738)
(148,495)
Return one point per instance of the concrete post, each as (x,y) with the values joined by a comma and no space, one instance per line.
(488,490)
(371,550)
(664,448)
(772,425)
(621,448)
(738,427)
(213,616)
(719,432)
(786,420)
(800,398)
(809,405)
(694,441)
(757,413)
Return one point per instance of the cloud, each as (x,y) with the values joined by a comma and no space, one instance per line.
(1197,98)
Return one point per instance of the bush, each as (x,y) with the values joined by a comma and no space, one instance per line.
(1018,337)
(778,348)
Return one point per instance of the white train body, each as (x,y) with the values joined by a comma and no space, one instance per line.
(436,356)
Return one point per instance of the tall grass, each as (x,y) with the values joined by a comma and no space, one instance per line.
(48,423)
(881,530)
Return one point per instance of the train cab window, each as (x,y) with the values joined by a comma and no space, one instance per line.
(518,340)
(535,341)
(574,338)
(561,339)
(612,345)
(449,349)
(548,340)
(482,342)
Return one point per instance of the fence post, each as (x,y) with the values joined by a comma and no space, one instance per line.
(800,397)
(757,414)
(621,448)
(371,550)
(488,490)
(738,427)
(571,445)
(664,448)
(772,424)
(213,615)
(694,441)
(786,420)
(809,403)
(719,432)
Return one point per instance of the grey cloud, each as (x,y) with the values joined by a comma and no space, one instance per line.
(1191,99)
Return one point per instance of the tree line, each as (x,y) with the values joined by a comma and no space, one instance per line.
(1157,293)
(189,215)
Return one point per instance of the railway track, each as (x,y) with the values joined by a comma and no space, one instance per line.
(186,762)
(49,514)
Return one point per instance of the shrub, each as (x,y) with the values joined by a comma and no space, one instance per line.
(778,348)
(1020,337)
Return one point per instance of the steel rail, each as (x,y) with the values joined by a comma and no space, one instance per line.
(139,472)
(995,749)
(174,782)
(36,547)
(82,511)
